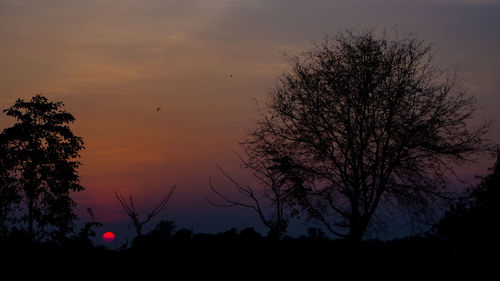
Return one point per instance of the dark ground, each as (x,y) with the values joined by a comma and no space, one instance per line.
(241,256)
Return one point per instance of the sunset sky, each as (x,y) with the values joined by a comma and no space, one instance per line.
(114,62)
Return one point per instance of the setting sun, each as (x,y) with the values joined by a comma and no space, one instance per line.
(108,237)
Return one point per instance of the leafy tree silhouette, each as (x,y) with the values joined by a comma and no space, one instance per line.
(365,120)
(42,150)
(473,220)
(87,231)
(164,229)
(9,195)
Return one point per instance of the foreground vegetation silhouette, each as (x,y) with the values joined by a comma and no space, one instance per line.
(361,122)
(471,224)
(362,126)
(128,207)
(39,169)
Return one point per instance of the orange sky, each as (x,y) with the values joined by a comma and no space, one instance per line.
(113,62)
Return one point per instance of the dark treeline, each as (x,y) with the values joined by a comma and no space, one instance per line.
(236,251)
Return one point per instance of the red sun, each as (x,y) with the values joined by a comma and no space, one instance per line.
(108,237)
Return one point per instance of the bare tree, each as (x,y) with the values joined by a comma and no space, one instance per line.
(274,207)
(364,120)
(129,208)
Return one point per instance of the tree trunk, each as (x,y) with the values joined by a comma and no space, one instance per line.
(30,194)
(356,228)
(138,229)
(356,234)
(30,219)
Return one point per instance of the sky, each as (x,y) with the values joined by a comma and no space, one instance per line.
(114,62)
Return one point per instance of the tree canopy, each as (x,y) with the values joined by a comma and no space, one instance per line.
(40,155)
(473,220)
(364,120)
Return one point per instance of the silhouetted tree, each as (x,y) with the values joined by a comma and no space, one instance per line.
(364,120)
(273,208)
(87,231)
(9,196)
(183,234)
(81,240)
(164,229)
(41,150)
(316,234)
(134,216)
(473,220)
(249,234)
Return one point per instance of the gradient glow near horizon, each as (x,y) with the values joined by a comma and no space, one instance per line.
(113,63)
